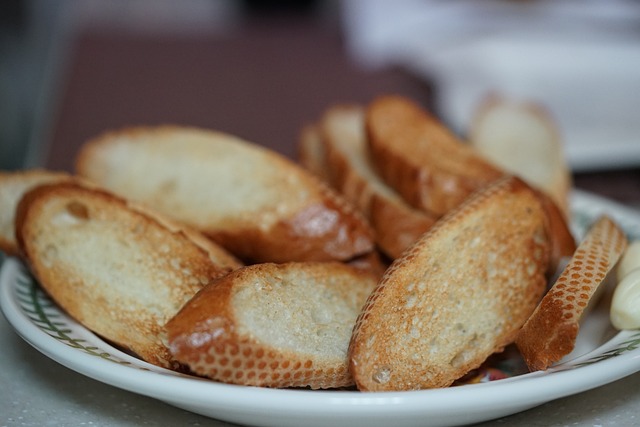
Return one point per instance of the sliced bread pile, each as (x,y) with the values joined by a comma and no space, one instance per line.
(404,169)
(154,215)
(251,200)
(337,151)
(393,256)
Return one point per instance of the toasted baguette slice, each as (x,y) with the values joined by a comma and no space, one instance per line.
(550,333)
(396,224)
(458,295)
(312,154)
(420,158)
(253,201)
(522,138)
(13,185)
(119,271)
(273,325)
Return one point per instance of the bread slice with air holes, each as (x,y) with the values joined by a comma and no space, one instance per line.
(253,201)
(551,331)
(420,158)
(396,224)
(459,294)
(273,325)
(120,271)
(13,185)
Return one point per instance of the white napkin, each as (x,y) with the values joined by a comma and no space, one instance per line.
(578,58)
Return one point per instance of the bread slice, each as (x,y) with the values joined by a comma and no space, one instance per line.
(119,271)
(563,243)
(396,224)
(273,325)
(420,158)
(256,203)
(312,154)
(458,295)
(523,139)
(13,185)
(550,333)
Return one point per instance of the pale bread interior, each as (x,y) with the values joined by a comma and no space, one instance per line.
(300,311)
(273,325)
(202,177)
(523,139)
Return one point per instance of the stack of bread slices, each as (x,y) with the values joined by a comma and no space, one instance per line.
(391,256)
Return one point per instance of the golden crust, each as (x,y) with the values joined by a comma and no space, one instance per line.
(295,207)
(415,154)
(211,336)
(119,271)
(396,224)
(550,333)
(458,295)
(399,225)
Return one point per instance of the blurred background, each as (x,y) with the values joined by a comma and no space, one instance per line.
(71,69)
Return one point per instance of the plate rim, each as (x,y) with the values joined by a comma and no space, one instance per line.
(526,391)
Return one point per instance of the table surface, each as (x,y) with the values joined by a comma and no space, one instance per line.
(263,83)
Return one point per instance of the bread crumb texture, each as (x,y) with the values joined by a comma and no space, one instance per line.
(115,270)
(273,325)
(457,296)
(258,204)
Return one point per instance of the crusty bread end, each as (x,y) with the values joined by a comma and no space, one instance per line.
(551,331)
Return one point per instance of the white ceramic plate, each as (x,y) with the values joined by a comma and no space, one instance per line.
(601,356)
